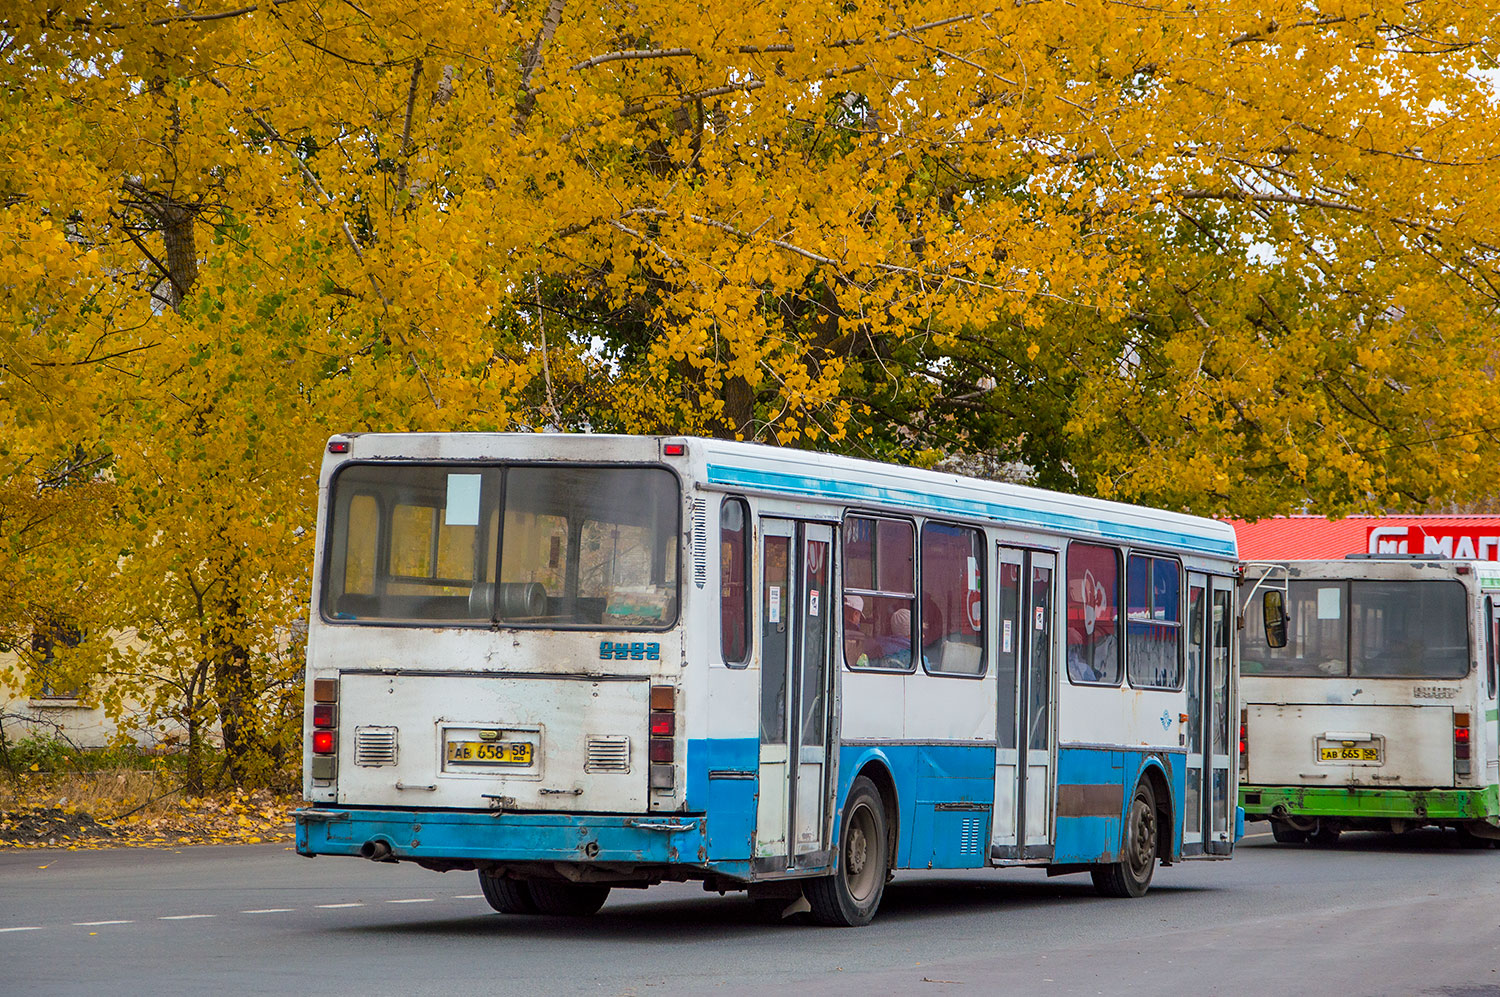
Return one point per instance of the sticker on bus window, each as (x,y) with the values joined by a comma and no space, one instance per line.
(1328,604)
(773,605)
(1005,637)
(463,500)
(812,603)
(1041,618)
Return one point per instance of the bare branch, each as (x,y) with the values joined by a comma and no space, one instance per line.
(663,53)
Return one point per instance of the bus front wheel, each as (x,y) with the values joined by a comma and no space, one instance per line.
(848,898)
(507,896)
(1131,876)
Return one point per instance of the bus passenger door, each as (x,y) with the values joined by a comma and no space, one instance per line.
(1022,825)
(796,631)
(1219,705)
(1195,809)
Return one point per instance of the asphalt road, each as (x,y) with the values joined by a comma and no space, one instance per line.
(1377,914)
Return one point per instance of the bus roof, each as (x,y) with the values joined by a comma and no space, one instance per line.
(768,470)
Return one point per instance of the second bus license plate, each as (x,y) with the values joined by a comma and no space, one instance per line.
(1348,754)
(490,753)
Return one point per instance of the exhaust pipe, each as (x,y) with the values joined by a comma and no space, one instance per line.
(376,851)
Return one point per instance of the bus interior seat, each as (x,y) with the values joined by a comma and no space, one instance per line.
(961,657)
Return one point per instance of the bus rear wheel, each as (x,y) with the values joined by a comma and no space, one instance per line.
(849,897)
(1131,876)
(507,896)
(1286,834)
(562,899)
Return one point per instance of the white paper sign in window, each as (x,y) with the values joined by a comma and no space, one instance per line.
(1328,604)
(463,500)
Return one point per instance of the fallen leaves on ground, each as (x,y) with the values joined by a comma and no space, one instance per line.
(235,817)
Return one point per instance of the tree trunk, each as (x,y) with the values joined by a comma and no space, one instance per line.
(176,222)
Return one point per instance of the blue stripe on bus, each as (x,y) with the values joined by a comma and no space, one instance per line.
(1098,838)
(730,802)
(925,776)
(503,837)
(801,484)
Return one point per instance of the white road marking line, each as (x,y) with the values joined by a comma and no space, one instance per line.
(469,896)
(36,927)
(336,906)
(184,917)
(423,900)
(95,924)
(270,910)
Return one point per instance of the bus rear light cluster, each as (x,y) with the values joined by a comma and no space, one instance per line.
(325,735)
(1461,743)
(1244,740)
(663,727)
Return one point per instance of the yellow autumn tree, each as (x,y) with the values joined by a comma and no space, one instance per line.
(1171,236)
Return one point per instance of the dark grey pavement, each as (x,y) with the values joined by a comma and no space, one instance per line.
(1378,914)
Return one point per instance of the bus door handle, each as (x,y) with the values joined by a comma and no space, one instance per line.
(426,789)
(1313,775)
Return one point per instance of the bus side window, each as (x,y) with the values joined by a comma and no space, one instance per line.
(952,621)
(1153,627)
(879,592)
(1093,614)
(734,582)
(1492,656)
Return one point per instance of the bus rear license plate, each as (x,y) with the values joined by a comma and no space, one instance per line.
(488,753)
(1348,754)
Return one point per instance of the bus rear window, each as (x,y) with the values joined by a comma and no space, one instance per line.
(554,546)
(1408,630)
(1369,629)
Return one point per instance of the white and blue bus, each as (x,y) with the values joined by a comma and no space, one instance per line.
(576,662)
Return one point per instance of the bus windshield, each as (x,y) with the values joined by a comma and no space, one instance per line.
(524,546)
(1365,629)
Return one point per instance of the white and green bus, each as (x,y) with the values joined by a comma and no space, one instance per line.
(1378,710)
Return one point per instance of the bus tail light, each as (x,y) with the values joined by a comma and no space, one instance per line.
(1244,740)
(1461,743)
(323,766)
(663,727)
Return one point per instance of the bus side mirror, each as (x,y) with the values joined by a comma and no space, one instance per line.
(1273,611)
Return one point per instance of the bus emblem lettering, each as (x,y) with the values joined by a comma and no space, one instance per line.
(638,651)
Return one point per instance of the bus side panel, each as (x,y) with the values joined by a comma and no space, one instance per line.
(852,759)
(945,793)
(1094,786)
(721,782)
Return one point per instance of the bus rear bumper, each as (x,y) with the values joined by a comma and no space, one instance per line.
(465,836)
(1355,802)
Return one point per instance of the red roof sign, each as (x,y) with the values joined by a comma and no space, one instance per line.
(1291,538)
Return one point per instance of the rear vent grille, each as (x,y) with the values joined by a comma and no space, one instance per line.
(700,543)
(375,746)
(968,842)
(607,754)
